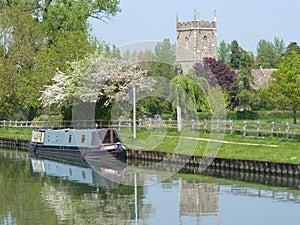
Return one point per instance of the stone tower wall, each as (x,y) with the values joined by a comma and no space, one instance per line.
(196,40)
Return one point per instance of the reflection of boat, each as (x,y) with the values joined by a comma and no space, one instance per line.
(102,173)
(93,143)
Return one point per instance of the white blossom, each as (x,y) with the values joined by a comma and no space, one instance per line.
(90,79)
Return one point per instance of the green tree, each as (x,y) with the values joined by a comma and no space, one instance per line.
(22,39)
(235,56)
(39,37)
(188,92)
(224,52)
(242,89)
(165,52)
(267,57)
(293,46)
(283,90)
(164,60)
(279,46)
(269,54)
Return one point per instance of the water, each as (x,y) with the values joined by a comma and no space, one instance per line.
(47,191)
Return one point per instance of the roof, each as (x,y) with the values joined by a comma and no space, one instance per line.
(261,77)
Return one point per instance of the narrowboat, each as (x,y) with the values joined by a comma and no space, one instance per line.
(91,143)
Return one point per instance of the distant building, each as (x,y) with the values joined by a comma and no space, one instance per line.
(261,77)
(196,40)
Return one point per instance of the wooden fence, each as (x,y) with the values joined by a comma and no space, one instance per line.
(206,126)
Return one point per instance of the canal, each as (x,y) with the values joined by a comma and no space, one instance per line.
(39,190)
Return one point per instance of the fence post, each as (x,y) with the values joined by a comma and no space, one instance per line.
(231,126)
(204,125)
(245,128)
(287,130)
(258,128)
(140,123)
(193,124)
(272,128)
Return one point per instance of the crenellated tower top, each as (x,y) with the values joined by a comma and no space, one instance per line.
(196,40)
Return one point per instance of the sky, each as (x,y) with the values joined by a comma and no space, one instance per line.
(244,21)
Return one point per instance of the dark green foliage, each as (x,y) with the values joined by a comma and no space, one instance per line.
(235,57)
(152,106)
(293,46)
(263,116)
(242,89)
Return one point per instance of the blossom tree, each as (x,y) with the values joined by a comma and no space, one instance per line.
(95,79)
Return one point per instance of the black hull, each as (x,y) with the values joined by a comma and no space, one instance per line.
(76,153)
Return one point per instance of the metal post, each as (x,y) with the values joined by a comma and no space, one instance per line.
(134,114)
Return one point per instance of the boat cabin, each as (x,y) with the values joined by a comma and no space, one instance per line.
(78,138)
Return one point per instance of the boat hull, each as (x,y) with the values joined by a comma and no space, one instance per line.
(75,152)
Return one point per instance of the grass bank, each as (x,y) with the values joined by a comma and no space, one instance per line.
(200,144)
(228,146)
(20,133)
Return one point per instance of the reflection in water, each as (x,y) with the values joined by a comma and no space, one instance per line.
(55,191)
(199,200)
(102,206)
(102,174)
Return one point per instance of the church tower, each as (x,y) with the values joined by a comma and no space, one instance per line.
(196,40)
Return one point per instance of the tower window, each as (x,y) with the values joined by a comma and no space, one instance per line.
(205,38)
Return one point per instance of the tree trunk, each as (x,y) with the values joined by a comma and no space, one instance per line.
(295,116)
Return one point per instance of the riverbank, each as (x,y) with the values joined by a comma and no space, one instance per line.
(271,149)
(176,161)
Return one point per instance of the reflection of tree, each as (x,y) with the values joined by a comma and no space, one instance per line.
(20,202)
(29,199)
(88,207)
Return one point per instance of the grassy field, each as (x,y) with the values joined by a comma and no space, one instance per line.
(196,143)
(228,146)
(22,133)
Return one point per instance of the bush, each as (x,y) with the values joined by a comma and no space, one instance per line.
(267,116)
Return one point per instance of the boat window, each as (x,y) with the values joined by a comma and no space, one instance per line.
(116,138)
(83,138)
(107,138)
(83,174)
(70,138)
